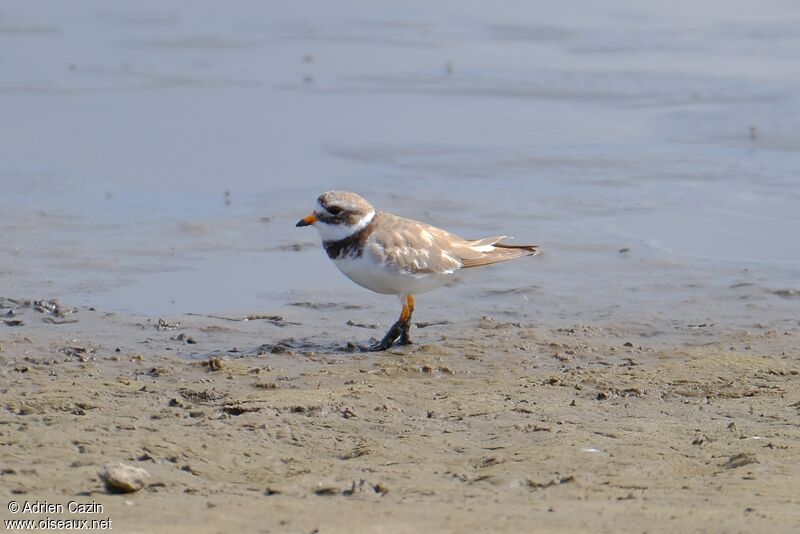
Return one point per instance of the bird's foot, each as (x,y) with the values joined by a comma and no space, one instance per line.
(396,331)
(397,335)
(405,338)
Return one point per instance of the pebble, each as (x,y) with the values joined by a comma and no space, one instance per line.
(122,478)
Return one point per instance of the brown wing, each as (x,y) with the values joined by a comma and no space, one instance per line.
(418,248)
(413,247)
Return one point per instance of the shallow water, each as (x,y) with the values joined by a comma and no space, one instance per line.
(155,156)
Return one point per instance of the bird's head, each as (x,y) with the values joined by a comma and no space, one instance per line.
(339,214)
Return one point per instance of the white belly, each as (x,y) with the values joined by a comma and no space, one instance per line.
(382,279)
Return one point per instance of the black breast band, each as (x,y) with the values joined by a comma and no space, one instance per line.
(351,246)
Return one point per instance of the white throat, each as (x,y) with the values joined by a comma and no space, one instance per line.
(336,232)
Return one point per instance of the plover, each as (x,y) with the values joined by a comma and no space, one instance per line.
(396,256)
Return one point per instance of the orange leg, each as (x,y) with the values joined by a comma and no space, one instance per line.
(405,320)
(408,309)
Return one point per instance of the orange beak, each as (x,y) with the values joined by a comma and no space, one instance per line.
(311,219)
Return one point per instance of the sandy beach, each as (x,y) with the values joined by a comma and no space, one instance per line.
(487,426)
(159,308)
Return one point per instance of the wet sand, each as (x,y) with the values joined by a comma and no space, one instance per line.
(270,425)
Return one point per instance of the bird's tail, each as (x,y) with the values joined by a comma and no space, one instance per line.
(497,252)
(524,250)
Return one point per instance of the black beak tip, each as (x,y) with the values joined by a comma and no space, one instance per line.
(300,223)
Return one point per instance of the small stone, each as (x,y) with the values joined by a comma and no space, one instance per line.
(122,478)
(213,364)
(156,371)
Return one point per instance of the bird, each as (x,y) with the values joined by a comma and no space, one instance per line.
(393,255)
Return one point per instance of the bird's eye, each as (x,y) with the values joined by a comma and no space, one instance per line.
(334,210)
